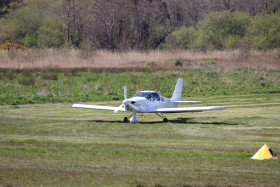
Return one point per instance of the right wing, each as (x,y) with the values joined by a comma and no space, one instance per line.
(189,109)
(98,107)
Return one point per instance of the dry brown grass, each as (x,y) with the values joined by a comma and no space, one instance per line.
(153,59)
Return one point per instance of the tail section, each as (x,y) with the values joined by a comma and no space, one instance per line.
(177,94)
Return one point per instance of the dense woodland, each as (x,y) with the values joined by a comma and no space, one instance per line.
(141,24)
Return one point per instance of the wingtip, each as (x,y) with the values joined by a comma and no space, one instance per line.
(75,105)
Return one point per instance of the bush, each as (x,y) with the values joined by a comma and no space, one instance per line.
(7,6)
(177,62)
(10,45)
(264,31)
(221,30)
(22,24)
(181,38)
(30,40)
(50,33)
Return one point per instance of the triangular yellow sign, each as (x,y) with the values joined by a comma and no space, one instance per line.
(265,153)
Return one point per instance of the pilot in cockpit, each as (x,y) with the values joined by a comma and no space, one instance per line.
(155,97)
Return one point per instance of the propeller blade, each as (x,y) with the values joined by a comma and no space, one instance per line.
(122,105)
(125,92)
(125,98)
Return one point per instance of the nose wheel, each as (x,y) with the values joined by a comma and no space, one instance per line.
(125,120)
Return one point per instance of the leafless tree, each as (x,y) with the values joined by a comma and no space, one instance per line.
(253,7)
(75,15)
(122,24)
(151,23)
(186,12)
(143,24)
(112,24)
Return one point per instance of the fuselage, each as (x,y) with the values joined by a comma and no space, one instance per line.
(147,101)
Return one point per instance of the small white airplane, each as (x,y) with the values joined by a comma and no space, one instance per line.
(152,102)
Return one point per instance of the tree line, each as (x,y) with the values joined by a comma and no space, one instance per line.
(141,24)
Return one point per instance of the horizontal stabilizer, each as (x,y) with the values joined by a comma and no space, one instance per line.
(190,109)
(98,107)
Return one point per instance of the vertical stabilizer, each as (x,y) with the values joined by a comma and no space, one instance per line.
(177,94)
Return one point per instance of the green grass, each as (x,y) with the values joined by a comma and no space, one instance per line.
(51,87)
(59,145)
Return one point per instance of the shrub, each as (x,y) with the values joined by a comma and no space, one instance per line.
(22,24)
(11,45)
(264,31)
(27,80)
(30,40)
(221,30)
(177,62)
(50,33)
(149,64)
(181,38)
(208,62)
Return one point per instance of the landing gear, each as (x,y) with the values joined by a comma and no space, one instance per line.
(132,120)
(125,120)
(162,117)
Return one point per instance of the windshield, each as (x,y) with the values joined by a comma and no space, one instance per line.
(152,96)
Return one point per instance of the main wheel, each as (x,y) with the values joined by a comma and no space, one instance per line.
(125,120)
(165,120)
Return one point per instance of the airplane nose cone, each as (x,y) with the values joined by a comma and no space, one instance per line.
(134,104)
(129,102)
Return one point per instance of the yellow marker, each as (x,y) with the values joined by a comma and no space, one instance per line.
(265,153)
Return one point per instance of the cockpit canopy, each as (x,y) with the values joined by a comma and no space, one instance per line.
(151,96)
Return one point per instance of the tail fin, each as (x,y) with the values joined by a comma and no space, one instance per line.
(177,94)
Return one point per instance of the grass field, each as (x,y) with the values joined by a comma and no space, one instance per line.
(58,145)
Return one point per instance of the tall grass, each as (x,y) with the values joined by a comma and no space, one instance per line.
(43,87)
(45,59)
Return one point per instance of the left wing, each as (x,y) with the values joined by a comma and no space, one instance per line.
(98,107)
(189,109)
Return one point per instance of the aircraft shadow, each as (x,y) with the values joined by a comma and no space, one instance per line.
(186,121)
(176,120)
(119,121)
(105,121)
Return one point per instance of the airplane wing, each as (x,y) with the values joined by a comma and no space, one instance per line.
(189,109)
(98,107)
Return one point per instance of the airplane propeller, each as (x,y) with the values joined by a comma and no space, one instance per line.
(125,98)
(125,93)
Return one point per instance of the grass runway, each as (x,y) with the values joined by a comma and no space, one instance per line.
(55,144)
